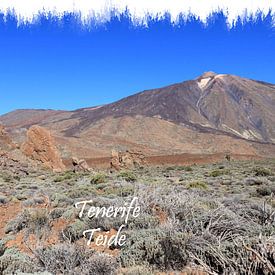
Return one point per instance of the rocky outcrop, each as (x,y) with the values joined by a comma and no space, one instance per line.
(40,146)
(127,160)
(80,165)
(5,140)
(12,165)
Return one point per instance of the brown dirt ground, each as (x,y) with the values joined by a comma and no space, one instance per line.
(164,160)
(7,213)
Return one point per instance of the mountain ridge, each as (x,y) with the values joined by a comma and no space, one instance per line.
(170,103)
(212,113)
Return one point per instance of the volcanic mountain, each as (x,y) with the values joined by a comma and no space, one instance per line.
(214,113)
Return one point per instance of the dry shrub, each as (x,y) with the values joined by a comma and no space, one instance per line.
(72,259)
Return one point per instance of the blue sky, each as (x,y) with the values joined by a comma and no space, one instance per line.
(60,64)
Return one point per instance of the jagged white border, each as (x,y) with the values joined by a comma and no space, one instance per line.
(100,11)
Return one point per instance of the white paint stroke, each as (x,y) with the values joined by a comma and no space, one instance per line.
(100,10)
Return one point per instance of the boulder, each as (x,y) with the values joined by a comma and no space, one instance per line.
(80,165)
(40,146)
(115,160)
(127,160)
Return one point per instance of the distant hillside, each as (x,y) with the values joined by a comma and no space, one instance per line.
(211,114)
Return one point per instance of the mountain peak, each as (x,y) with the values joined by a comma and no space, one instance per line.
(208,74)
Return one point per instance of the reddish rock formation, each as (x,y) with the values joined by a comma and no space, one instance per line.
(40,146)
(127,160)
(80,165)
(115,160)
(1,130)
(5,140)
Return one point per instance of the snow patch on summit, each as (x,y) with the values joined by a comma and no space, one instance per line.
(203,82)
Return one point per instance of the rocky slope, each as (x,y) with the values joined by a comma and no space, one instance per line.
(211,114)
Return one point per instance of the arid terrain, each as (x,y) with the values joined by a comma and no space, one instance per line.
(198,157)
(198,219)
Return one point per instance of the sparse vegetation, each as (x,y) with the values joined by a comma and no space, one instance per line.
(13,261)
(214,218)
(128,176)
(197,185)
(186,168)
(98,178)
(18,223)
(264,191)
(161,248)
(66,176)
(262,171)
(217,173)
(72,259)
(74,231)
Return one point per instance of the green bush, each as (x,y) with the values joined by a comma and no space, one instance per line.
(262,172)
(253,181)
(100,264)
(80,192)
(72,259)
(58,179)
(126,191)
(128,176)
(74,231)
(38,219)
(170,168)
(160,248)
(264,191)
(143,221)
(57,213)
(218,173)
(18,223)
(17,178)
(34,221)
(68,175)
(185,168)
(21,197)
(98,178)
(14,261)
(61,199)
(7,178)
(70,213)
(197,185)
